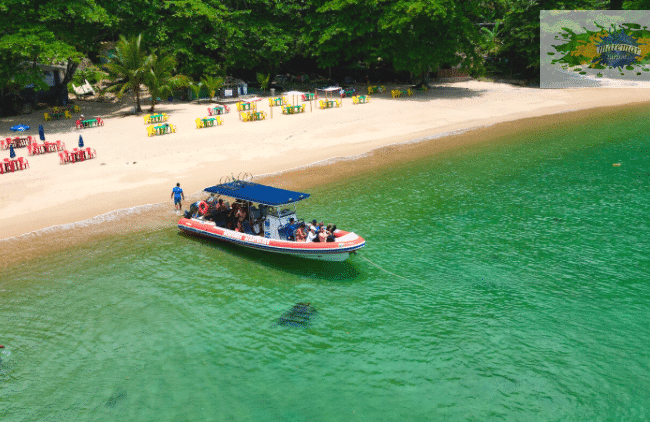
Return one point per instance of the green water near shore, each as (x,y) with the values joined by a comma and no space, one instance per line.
(500,282)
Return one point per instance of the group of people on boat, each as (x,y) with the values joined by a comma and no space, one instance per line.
(314,232)
(244,217)
(241,216)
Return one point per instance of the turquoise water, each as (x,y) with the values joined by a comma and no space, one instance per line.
(500,282)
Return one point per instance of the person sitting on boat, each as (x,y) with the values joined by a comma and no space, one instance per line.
(221,206)
(241,214)
(291,229)
(300,233)
(311,235)
(258,227)
(322,235)
(331,237)
(239,227)
(313,225)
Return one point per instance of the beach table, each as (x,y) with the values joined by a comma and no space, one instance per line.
(88,123)
(277,101)
(16,142)
(159,118)
(217,110)
(360,99)
(308,96)
(11,165)
(293,109)
(210,121)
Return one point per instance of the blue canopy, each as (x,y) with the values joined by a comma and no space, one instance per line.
(254,192)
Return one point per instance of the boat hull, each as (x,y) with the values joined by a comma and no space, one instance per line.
(346,243)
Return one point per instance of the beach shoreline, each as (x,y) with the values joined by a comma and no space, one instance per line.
(108,197)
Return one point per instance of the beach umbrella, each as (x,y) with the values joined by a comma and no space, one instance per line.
(81,142)
(293,95)
(12,153)
(20,128)
(41,132)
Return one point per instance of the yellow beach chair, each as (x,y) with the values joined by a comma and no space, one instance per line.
(47,116)
(77,109)
(338,103)
(219,121)
(151,131)
(165,117)
(244,116)
(147,119)
(199,123)
(67,114)
(322,104)
(409,92)
(355,99)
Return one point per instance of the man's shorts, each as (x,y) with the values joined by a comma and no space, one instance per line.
(177,201)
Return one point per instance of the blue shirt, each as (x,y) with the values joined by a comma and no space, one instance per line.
(177,193)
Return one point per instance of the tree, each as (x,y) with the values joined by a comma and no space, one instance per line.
(160,79)
(131,65)
(263,81)
(212,84)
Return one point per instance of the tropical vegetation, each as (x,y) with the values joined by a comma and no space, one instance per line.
(214,38)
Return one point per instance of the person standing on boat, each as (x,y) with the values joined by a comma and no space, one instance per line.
(177,194)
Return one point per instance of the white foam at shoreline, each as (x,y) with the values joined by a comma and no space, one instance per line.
(98,219)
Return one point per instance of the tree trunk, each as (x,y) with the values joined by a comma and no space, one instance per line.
(138,108)
(71,68)
(615,4)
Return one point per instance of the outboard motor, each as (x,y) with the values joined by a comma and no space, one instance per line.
(194,209)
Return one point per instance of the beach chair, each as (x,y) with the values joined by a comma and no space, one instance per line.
(147,119)
(271,102)
(24,164)
(91,153)
(355,100)
(60,145)
(63,157)
(302,108)
(245,116)
(209,111)
(67,114)
(172,129)
(47,116)
(100,122)
(151,131)
(322,104)
(263,115)
(165,117)
(338,103)
(76,109)
(78,124)
(199,123)
(219,121)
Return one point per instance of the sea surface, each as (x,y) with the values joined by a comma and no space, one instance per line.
(500,282)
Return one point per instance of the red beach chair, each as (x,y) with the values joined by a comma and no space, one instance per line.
(63,156)
(210,111)
(78,124)
(100,122)
(60,145)
(24,164)
(90,153)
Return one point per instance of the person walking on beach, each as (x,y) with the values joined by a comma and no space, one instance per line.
(177,194)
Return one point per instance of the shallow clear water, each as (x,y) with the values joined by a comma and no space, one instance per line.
(500,282)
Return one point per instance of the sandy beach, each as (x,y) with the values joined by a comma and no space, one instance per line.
(133,170)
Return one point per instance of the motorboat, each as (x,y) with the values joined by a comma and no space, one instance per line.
(262,217)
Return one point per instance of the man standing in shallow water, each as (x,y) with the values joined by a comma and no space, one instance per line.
(177,194)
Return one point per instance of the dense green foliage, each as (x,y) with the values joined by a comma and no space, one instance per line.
(246,37)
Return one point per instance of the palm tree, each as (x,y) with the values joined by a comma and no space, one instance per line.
(263,81)
(130,65)
(212,84)
(160,80)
